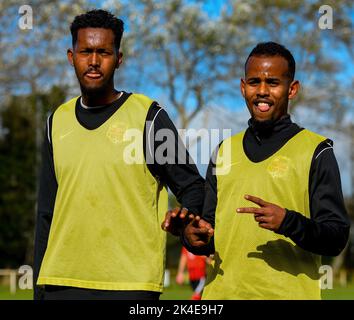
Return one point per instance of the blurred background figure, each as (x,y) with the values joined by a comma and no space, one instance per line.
(196,266)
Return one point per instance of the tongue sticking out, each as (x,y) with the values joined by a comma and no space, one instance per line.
(264,107)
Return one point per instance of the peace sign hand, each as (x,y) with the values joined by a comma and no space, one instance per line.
(269,215)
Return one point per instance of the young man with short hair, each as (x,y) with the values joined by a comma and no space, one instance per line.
(99,211)
(271,250)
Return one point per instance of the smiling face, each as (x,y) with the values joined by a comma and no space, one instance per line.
(95,59)
(267,87)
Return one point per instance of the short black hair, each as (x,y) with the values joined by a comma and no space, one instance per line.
(274,49)
(98,19)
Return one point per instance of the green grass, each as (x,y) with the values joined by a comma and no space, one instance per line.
(19,295)
(176,292)
(339,293)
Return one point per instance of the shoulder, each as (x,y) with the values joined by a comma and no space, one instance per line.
(67,105)
(312,137)
(322,143)
(324,148)
(232,140)
(141,99)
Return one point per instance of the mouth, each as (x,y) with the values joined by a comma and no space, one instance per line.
(93,74)
(263,105)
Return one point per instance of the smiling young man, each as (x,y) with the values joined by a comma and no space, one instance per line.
(276,206)
(98,224)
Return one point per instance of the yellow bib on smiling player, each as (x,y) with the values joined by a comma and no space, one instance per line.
(105,232)
(252,262)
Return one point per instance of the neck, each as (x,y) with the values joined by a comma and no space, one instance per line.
(265,128)
(99,97)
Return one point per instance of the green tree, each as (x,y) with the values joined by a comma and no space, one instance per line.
(194,57)
(18,173)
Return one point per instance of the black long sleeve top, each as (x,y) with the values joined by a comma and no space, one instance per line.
(327,231)
(183,179)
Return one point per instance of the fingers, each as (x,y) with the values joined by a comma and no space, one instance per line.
(175,218)
(198,232)
(251,210)
(206,225)
(260,216)
(195,222)
(261,219)
(174,212)
(202,228)
(183,213)
(262,210)
(177,212)
(256,200)
(166,223)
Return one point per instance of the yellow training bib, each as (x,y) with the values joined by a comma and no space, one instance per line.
(105,232)
(252,262)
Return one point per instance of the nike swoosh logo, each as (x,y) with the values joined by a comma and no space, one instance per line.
(62,136)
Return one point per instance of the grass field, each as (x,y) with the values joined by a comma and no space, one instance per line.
(176,292)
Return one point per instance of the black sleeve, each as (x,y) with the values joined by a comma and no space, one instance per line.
(327,232)
(211,190)
(169,161)
(209,207)
(45,206)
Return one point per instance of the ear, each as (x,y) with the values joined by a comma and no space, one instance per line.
(242,86)
(293,89)
(119,59)
(70,54)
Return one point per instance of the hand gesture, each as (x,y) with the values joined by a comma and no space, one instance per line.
(198,232)
(269,215)
(175,220)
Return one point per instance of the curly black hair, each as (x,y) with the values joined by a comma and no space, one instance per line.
(98,19)
(274,49)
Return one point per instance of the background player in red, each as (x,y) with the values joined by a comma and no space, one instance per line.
(196,266)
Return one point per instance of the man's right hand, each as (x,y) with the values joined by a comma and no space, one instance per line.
(175,220)
(198,232)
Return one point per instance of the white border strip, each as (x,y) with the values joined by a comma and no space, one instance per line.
(152,123)
(48,131)
(322,151)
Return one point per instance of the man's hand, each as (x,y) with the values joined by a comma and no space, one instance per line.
(198,232)
(269,215)
(175,220)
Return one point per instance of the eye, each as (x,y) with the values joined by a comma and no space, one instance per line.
(253,82)
(273,82)
(104,52)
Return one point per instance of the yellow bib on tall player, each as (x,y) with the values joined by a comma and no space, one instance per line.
(252,262)
(105,232)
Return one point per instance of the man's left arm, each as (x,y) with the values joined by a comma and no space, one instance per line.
(327,232)
(170,162)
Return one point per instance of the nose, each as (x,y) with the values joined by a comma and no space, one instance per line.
(94,59)
(263,89)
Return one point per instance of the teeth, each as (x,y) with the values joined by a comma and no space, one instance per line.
(263,104)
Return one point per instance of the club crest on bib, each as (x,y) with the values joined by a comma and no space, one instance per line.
(115,132)
(279,167)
